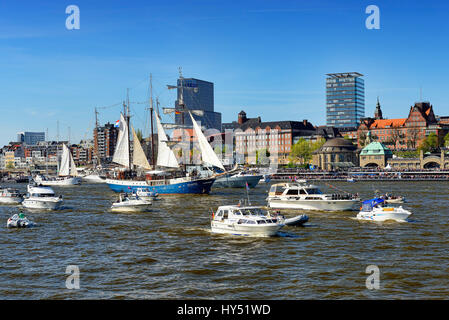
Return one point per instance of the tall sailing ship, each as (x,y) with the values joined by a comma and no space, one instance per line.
(166,176)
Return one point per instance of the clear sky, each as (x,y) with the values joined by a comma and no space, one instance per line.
(268,58)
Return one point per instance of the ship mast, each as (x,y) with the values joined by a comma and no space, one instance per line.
(151,120)
(127,122)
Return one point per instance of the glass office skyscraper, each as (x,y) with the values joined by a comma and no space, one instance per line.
(198,95)
(345,99)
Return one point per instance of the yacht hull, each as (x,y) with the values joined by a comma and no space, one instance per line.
(245,230)
(383,216)
(131,208)
(318,205)
(202,186)
(39,204)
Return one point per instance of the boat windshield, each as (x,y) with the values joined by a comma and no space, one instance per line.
(251,212)
(314,191)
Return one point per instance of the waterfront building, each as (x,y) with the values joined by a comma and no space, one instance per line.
(197,95)
(9,159)
(83,152)
(254,139)
(375,154)
(30,138)
(403,133)
(345,99)
(336,154)
(105,140)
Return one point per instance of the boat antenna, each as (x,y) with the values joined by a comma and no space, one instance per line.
(247,193)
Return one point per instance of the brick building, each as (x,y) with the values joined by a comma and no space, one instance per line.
(276,137)
(404,133)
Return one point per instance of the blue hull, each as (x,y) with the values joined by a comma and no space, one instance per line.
(192,187)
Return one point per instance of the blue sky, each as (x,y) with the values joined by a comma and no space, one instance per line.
(268,58)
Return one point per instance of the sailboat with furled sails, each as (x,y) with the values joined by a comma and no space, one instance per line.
(166,176)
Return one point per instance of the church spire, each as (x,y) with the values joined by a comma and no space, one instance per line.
(378,112)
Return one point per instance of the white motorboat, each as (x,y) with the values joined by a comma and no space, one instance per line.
(10,196)
(41,197)
(146,194)
(19,221)
(130,203)
(244,221)
(301,195)
(376,210)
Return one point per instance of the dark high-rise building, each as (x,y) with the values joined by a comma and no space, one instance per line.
(105,140)
(197,95)
(345,99)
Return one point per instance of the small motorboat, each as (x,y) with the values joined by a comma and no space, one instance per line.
(19,221)
(10,196)
(146,194)
(244,221)
(390,198)
(41,197)
(130,203)
(376,210)
(350,180)
(292,222)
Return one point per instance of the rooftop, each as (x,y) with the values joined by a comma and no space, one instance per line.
(345,75)
(375,148)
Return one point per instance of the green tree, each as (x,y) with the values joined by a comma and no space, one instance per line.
(446,140)
(262,156)
(318,144)
(431,143)
(301,151)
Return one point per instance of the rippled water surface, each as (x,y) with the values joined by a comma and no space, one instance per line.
(169,253)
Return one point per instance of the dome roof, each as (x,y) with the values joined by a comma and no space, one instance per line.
(338,144)
(376,148)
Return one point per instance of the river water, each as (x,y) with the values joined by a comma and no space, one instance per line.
(169,253)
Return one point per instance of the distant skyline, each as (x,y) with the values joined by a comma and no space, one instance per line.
(269,58)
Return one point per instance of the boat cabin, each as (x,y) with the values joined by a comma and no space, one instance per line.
(293,189)
(368,205)
(41,192)
(242,214)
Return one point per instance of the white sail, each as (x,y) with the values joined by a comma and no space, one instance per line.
(67,167)
(64,167)
(73,171)
(165,155)
(207,153)
(139,157)
(121,153)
